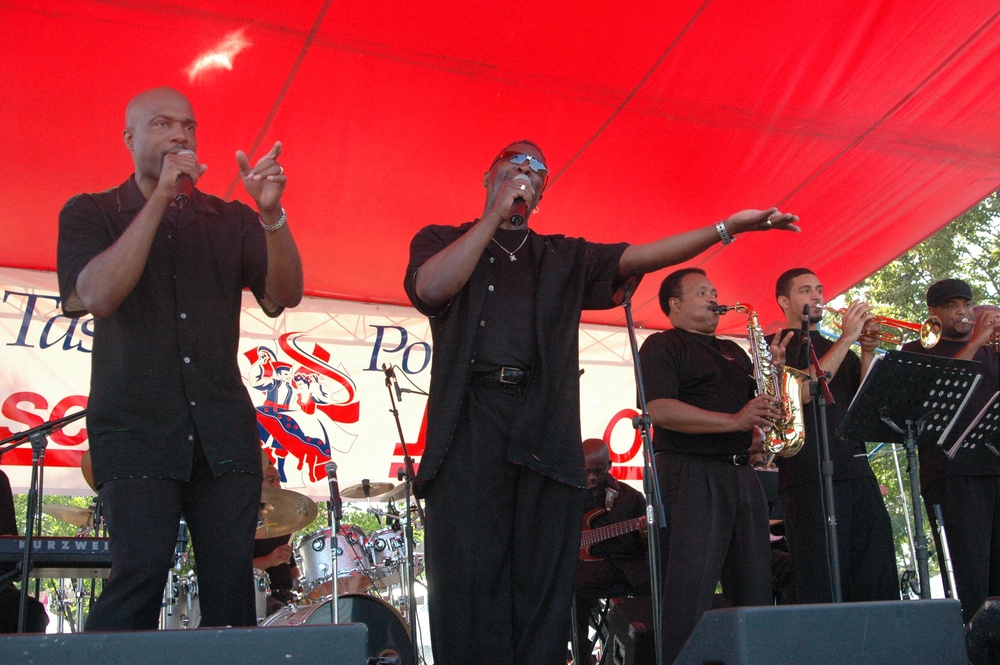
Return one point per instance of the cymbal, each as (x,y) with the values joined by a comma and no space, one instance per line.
(69,514)
(87,469)
(283,512)
(396,494)
(358,491)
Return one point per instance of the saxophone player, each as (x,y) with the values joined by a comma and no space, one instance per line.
(701,400)
(864,536)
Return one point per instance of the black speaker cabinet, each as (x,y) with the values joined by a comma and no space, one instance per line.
(929,632)
(983,637)
(342,644)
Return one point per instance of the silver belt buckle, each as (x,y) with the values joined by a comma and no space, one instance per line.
(503,376)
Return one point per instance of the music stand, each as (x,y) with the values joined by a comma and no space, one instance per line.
(981,437)
(924,393)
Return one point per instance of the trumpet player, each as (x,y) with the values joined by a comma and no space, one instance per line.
(966,490)
(701,400)
(864,532)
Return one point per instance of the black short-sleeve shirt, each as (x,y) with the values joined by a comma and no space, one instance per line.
(704,371)
(164,366)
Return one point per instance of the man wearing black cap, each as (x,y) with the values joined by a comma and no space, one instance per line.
(966,490)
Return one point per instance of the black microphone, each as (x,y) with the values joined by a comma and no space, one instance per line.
(805,325)
(182,192)
(390,378)
(331,476)
(519,208)
(366,487)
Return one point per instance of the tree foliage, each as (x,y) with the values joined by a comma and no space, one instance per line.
(968,248)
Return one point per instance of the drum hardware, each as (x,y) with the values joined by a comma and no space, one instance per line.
(283,512)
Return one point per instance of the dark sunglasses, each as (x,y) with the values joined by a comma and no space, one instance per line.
(519,158)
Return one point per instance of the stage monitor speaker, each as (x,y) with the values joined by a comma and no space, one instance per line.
(983,638)
(342,644)
(929,632)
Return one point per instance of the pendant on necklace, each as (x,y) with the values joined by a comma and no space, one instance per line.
(512,257)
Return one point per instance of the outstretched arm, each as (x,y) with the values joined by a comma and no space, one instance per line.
(675,249)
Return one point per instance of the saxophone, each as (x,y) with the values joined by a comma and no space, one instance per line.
(787,434)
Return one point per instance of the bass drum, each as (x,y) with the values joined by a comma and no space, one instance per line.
(388,634)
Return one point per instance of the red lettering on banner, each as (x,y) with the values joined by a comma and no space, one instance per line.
(15,407)
(618,470)
(415,449)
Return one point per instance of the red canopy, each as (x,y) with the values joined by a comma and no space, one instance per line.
(875,121)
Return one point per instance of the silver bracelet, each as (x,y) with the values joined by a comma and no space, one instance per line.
(720,226)
(271,228)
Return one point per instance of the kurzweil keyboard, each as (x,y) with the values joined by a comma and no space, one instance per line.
(59,557)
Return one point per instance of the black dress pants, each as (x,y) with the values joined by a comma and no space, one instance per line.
(501,546)
(143,515)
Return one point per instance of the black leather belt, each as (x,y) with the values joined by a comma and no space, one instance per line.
(505,376)
(735,460)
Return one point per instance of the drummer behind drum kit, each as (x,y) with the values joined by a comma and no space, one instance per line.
(365,565)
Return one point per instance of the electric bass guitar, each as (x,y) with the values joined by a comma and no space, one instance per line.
(592,536)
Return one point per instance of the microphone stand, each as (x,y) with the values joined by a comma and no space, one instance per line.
(655,515)
(408,475)
(38,436)
(819,388)
(334,513)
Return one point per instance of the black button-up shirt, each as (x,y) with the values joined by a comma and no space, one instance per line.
(572,275)
(164,366)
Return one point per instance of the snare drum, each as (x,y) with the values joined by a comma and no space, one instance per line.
(388,634)
(182,610)
(312,552)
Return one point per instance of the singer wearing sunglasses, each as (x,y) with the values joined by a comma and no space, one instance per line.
(503,472)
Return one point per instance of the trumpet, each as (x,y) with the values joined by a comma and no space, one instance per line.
(891,330)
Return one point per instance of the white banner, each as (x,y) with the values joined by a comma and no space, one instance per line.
(314,373)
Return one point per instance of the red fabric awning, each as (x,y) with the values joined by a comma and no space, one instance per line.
(874,121)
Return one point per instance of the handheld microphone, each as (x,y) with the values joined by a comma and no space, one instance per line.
(331,476)
(805,325)
(390,378)
(519,208)
(185,184)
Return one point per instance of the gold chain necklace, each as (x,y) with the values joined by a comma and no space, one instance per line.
(510,253)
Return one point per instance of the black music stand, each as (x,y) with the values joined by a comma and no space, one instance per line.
(980,440)
(924,393)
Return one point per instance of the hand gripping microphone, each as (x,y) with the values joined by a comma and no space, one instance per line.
(185,184)
(519,208)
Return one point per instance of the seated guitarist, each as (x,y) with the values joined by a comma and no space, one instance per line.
(611,559)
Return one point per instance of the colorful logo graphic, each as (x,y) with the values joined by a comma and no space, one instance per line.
(307,402)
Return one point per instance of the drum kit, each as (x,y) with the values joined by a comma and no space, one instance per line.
(372,572)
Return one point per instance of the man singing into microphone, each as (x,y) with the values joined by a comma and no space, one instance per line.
(503,471)
(172,429)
